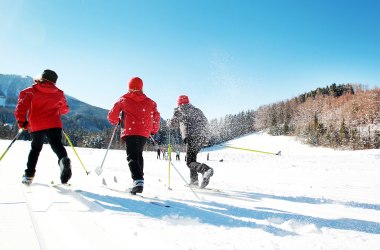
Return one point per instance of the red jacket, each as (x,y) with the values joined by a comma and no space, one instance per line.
(41,105)
(140,115)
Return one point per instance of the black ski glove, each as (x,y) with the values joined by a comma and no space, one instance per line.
(23,125)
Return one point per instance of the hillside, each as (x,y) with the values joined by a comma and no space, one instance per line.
(338,116)
(81,116)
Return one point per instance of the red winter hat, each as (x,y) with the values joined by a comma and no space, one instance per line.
(135,84)
(182,99)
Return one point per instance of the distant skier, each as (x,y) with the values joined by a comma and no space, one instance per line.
(194,131)
(39,109)
(163,154)
(177,155)
(140,119)
(166,156)
(158,153)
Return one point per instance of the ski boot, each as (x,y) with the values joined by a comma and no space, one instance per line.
(206,177)
(27,180)
(194,183)
(65,164)
(138,187)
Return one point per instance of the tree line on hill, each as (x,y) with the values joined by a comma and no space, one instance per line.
(339,116)
(345,116)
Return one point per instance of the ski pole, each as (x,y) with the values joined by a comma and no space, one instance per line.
(187,184)
(72,146)
(169,154)
(99,170)
(253,150)
(10,145)
(169,162)
(154,141)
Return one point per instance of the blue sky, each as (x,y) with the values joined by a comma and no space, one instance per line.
(226,55)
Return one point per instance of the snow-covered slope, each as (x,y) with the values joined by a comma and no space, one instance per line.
(307,198)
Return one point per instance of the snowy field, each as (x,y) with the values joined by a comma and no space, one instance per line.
(307,198)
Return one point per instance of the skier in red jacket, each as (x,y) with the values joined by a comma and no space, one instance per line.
(139,120)
(39,109)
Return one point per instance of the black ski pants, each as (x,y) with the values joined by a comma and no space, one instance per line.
(194,145)
(54,136)
(135,147)
(199,167)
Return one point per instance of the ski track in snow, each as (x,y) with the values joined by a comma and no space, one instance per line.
(307,198)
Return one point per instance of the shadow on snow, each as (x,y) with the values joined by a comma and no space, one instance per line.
(219,214)
(177,209)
